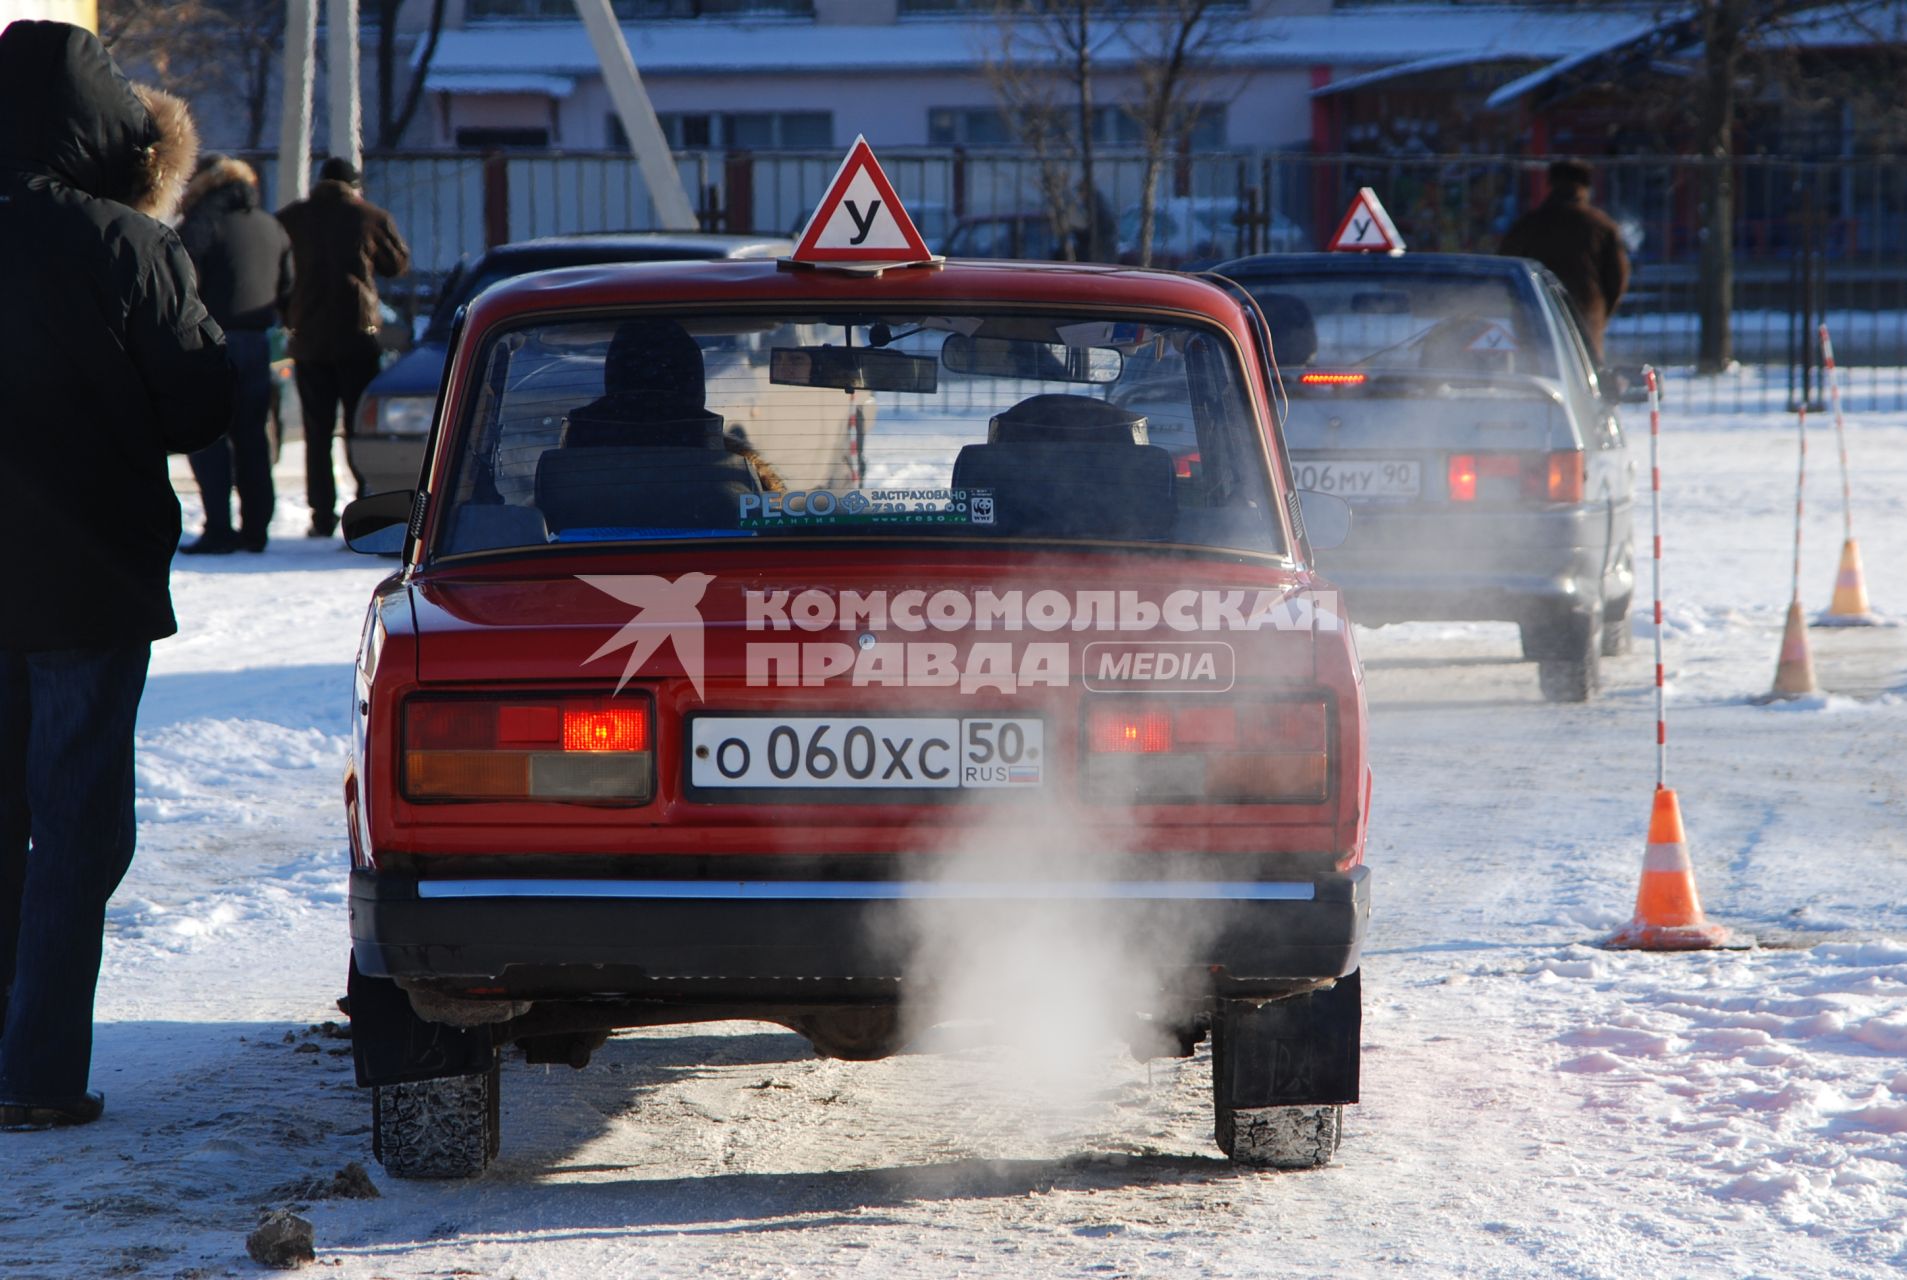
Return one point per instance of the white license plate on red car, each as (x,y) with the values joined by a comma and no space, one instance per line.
(1370,478)
(855,753)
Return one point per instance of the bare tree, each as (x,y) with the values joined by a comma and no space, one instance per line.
(162,39)
(1175,46)
(255,38)
(1043,66)
(393,117)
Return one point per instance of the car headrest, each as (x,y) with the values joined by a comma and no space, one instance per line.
(638,421)
(644,487)
(1063,419)
(1294,334)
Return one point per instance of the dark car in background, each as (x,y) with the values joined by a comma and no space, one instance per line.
(1003,235)
(1453,401)
(394,416)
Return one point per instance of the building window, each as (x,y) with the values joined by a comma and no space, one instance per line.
(632,10)
(739,131)
(968,127)
(503,139)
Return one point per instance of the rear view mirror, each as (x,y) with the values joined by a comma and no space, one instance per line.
(1327,518)
(376,525)
(1039,361)
(853,369)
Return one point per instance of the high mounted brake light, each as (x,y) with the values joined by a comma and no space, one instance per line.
(1333,379)
(567,748)
(1242,752)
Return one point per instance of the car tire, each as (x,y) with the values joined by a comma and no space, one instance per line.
(1281,1137)
(1574,678)
(448,1128)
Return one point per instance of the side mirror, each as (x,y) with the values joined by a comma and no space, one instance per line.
(1327,518)
(376,525)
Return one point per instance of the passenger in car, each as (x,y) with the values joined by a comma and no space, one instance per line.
(654,392)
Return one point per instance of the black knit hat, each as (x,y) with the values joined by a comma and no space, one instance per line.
(338,169)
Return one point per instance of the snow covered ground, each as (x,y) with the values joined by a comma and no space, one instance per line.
(1533,1106)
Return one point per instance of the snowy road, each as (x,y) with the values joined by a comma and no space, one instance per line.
(1533,1106)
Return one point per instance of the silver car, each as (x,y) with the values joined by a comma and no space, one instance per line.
(1452,400)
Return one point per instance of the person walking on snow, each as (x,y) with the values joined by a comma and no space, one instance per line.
(243,257)
(1579,243)
(340,244)
(111,363)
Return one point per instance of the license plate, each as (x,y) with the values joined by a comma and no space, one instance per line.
(871,753)
(1367,479)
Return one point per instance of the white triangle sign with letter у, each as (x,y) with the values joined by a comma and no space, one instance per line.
(860,221)
(1366,227)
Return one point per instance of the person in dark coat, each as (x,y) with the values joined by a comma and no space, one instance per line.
(243,257)
(1579,243)
(111,362)
(340,244)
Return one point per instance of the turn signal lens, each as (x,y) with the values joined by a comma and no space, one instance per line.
(1566,476)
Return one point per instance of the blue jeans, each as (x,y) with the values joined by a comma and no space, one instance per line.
(66,837)
(247,444)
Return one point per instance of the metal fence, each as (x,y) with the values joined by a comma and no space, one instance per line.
(1814,240)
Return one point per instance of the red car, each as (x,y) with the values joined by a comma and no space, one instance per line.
(661,722)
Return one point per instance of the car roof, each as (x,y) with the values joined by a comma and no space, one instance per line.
(1478,265)
(638,244)
(960,281)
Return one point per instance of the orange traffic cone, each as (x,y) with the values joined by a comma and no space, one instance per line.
(1794,674)
(1668,912)
(1849,607)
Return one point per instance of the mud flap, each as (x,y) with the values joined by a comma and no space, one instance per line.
(392,1045)
(1300,1051)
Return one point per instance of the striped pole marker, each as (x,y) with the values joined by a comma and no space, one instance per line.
(1794,672)
(1655,562)
(1668,915)
(1849,608)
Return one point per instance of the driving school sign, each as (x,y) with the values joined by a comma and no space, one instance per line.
(860,221)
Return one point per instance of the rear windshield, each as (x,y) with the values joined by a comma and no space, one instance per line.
(1058,428)
(1399,323)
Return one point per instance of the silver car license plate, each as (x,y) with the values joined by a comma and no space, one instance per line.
(1366,478)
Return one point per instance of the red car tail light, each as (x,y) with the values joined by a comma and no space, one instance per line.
(1121,730)
(1534,477)
(1463,477)
(568,748)
(1333,379)
(1239,753)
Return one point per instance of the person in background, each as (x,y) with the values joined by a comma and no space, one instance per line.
(340,244)
(243,258)
(1579,243)
(111,363)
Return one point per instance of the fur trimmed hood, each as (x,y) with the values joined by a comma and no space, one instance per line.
(165,163)
(220,173)
(66,111)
